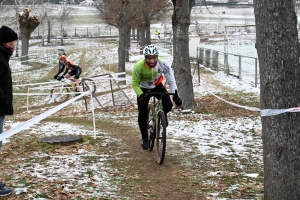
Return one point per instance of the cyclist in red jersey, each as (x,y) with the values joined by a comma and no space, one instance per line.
(71,69)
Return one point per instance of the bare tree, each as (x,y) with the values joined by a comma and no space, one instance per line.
(45,18)
(152,10)
(27,26)
(140,13)
(182,66)
(64,12)
(17,6)
(277,45)
(119,14)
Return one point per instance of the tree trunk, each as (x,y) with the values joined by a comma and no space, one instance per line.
(127,44)
(142,40)
(278,53)
(27,26)
(137,35)
(122,45)
(62,34)
(182,66)
(49,31)
(133,33)
(147,28)
(18,31)
(25,45)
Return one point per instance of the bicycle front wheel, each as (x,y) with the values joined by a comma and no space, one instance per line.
(161,137)
(151,127)
(60,94)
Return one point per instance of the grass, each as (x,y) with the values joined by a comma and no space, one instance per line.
(86,20)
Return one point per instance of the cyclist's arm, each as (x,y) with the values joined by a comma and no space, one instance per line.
(60,69)
(136,79)
(67,69)
(168,72)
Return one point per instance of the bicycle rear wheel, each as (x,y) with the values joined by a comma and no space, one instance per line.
(58,94)
(151,127)
(161,137)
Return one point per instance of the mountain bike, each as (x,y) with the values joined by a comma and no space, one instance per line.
(61,93)
(157,125)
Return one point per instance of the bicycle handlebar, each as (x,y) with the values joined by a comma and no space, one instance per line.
(68,80)
(64,80)
(159,93)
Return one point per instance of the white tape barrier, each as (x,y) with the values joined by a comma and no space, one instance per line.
(38,118)
(107,78)
(46,87)
(117,74)
(94,78)
(44,94)
(263,112)
(236,105)
(33,54)
(32,94)
(42,83)
(271,112)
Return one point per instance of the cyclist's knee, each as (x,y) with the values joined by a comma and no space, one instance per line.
(167,110)
(168,106)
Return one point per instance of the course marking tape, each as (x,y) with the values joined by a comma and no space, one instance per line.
(30,94)
(48,87)
(263,112)
(271,112)
(44,88)
(38,118)
(106,78)
(37,94)
(234,104)
(42,83)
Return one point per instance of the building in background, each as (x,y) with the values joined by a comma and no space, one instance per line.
(87,3)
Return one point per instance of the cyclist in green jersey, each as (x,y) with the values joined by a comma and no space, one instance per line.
(148,75)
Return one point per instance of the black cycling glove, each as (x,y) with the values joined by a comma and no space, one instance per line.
(143,98)
(60,77)
(176,99)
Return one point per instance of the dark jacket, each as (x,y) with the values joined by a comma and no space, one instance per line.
(6,91)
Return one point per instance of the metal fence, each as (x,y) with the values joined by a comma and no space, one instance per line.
(245,68)
(76,32)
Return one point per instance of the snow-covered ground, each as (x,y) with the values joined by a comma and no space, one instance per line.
(207,133)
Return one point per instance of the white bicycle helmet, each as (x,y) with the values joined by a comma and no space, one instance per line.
(150,50)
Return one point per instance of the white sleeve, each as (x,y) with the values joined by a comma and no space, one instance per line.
(168,72)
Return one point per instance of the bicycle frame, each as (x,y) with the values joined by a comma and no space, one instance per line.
(158,106)
(157,125)
(69,83)
(66,84)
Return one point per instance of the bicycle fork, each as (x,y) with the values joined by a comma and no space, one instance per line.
(158,125)
(60,91)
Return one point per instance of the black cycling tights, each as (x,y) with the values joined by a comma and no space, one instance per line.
(143,107)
